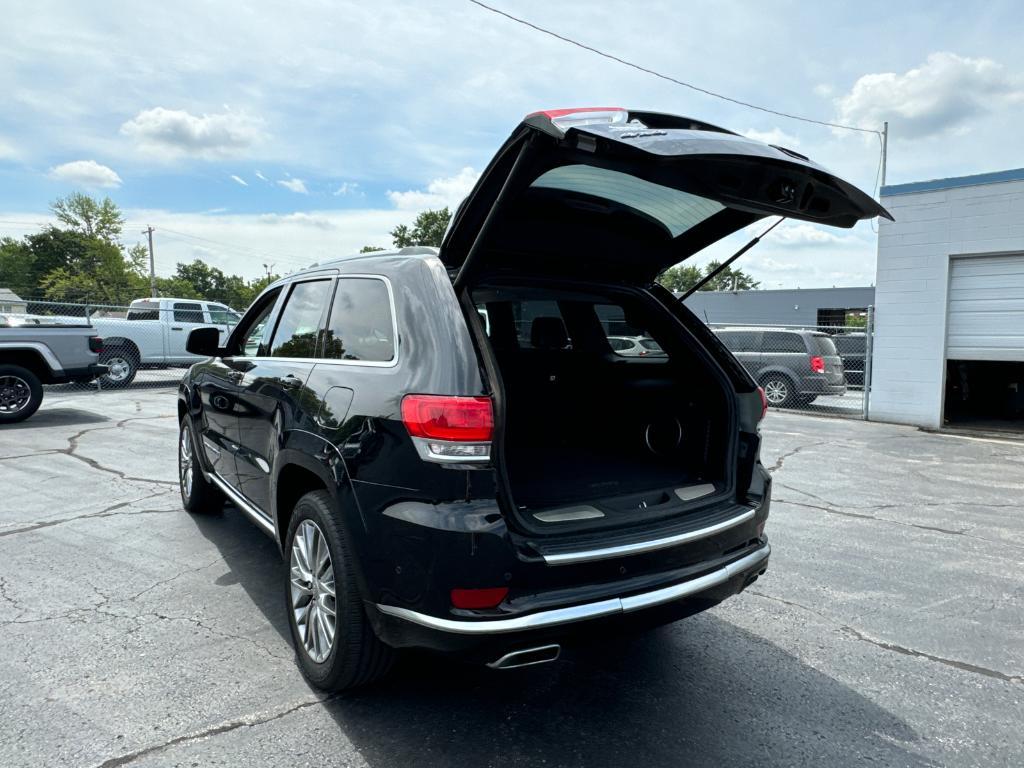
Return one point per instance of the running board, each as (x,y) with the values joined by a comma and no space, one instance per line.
(264,522)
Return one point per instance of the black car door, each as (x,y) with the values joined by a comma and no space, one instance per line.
(272,395)
(219,386)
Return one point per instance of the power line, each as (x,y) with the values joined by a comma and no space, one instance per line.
(669,78)
(240,248)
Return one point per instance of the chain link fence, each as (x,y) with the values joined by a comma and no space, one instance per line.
(814,369)
(143,343)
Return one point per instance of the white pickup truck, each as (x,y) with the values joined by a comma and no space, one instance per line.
(154,334)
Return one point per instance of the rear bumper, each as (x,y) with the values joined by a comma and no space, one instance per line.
(821,386)
(86,373)
(489,638)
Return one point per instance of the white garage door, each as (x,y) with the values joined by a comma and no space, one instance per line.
(986,308)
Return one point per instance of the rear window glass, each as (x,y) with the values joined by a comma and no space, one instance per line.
(676,210)
(144,310)
(824,346)
(361,326)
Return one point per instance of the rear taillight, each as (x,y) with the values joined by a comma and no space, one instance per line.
(95,344)
(450,429)
(817,364)
(764,403)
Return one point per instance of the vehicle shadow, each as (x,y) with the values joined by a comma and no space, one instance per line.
(702,692)
(58,417)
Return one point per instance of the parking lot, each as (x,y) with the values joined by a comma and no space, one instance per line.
(889,628)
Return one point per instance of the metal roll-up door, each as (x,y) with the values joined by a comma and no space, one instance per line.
(986,308)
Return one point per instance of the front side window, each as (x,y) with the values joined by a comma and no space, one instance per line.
(186,312)
(251,333)
(300,323)
(361,326)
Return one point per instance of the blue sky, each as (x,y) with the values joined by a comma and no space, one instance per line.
(282,133)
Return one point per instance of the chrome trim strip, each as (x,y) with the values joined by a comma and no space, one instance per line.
(508,661)
(582,612)
(603,553)
(239,501)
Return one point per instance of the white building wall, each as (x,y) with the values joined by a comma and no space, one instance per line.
(908,368)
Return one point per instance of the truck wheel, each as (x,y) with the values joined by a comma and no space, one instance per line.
(198,495)
(122,365)
(336,647)
(779,391)
(20,393)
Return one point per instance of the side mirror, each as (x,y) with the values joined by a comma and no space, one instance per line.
(204,342)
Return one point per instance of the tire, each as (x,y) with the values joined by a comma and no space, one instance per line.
(20,393)
(780,391)
(198,495)
(353,655)
(123,363)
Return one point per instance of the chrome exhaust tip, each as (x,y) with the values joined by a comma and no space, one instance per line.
(527,657)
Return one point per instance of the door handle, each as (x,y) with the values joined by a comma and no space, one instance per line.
(177,328)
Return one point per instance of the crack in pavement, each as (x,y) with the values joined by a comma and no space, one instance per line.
(110,511)
(31,455)
(857,634)
(830,509)
(72,447)
(790,454)
(250,721)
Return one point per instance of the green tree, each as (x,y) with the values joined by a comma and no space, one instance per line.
(683,277)
(88,216)
(17,267)
(99,274)
(427,229)
(370,249)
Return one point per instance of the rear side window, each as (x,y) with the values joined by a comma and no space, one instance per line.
(741,341)
(361,325)
(783,342)
(300,323)
(188,312)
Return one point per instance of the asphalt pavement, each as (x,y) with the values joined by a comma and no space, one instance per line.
(889,629)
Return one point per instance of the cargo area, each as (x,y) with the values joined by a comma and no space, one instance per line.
(610,416)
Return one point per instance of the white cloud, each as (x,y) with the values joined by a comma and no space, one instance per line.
(945,94)
(775,136)
(348,188)
(240,180)
(439,193)
(262,177)
(294,185)
(86,173)
(7,151)
(824,90)
(299,217)
(176,132)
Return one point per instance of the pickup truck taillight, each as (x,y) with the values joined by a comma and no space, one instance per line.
(95,344)
(449,429)
(817,364)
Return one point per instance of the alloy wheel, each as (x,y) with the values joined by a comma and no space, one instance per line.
(118,369)
(776,391)
(186,463)
(15,394)
(313,599)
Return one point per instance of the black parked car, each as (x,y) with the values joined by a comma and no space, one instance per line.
(792,366)
(852,348)
(438,477)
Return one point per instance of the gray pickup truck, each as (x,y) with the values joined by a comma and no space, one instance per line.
(35,354)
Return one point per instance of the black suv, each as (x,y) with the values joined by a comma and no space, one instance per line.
(793,367)
(446,447)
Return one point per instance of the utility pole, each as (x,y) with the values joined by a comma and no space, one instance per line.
(148,231)
(268,267)
(885,148)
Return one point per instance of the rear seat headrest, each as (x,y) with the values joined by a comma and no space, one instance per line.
(548,333)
